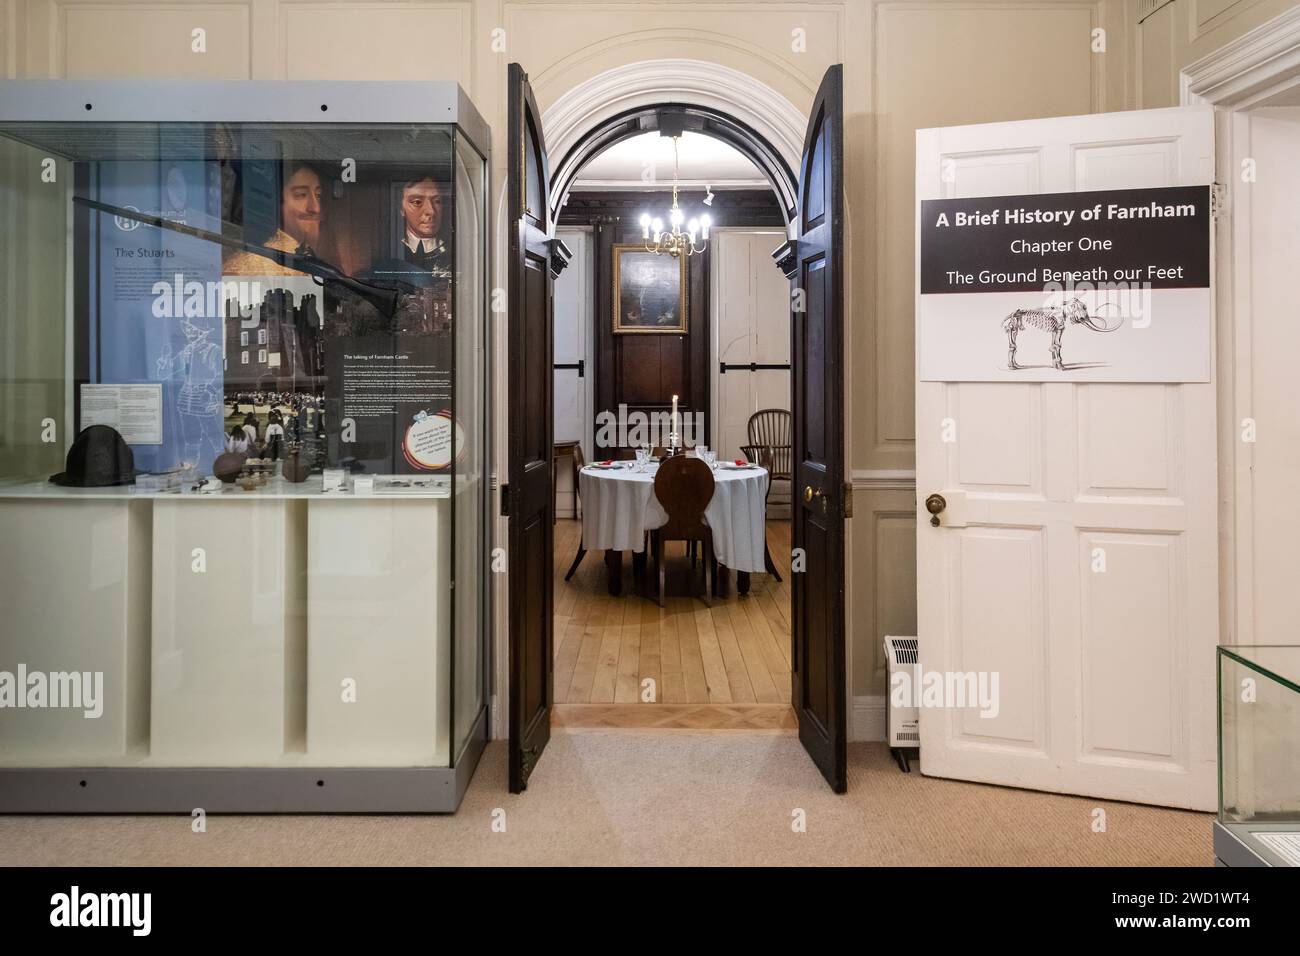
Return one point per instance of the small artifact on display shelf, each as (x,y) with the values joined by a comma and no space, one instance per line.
(98,458)
(227,466)
(295,469)
(399,484)
(332,479)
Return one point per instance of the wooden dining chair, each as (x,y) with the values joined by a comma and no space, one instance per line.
(684,487)
(579,462)
(770,446)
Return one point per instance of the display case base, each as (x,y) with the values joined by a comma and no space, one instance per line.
(1235,845)
(243,789)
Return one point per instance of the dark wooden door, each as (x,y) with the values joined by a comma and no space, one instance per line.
(813,260)
(534,261)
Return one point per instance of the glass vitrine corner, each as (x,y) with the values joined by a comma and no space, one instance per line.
(1259,755)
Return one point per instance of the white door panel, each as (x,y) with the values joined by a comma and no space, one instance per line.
(771,308)
(752,324)
(573,336)
(1077,554)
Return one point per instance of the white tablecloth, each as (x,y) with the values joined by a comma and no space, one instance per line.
(619,506)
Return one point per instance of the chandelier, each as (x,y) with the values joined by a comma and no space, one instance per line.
(675,242)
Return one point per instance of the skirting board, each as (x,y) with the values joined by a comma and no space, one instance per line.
(868,719)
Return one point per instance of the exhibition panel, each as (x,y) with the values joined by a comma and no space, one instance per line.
(243,444)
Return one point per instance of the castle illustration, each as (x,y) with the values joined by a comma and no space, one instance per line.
(274,346)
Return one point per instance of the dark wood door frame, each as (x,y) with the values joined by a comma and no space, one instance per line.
(535,259)
(820,498)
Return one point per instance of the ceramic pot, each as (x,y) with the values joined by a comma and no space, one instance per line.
(294,468)
(228,465)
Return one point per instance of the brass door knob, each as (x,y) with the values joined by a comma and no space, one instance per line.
(807,493)
(935,504)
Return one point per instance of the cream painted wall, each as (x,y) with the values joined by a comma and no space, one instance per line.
(1183,31)
(908,64)
(1267,227)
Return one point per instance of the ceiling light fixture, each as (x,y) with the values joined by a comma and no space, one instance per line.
(674,241)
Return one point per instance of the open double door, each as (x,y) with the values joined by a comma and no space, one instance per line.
(812,260)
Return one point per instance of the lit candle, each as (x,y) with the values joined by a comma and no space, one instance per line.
(674,426)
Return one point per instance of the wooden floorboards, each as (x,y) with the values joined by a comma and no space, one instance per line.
(733,656)
(766,718)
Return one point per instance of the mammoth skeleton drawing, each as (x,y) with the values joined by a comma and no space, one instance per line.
(1053,321)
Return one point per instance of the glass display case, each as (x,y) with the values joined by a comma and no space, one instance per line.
(1259,756)
(243,440)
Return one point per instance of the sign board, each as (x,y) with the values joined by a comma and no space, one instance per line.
(1104,286)
(136,411)
(146,326)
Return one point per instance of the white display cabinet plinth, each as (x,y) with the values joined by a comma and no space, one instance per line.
(69,570)
(377,676)
(229,648)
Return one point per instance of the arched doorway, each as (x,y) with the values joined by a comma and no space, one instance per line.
(690,94)
(671,119)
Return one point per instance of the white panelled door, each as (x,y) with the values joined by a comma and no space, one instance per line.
(1105,669)
(752,324)
(573,415)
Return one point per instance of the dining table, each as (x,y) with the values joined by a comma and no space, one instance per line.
(619,506)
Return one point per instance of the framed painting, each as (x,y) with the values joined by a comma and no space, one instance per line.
(649,292)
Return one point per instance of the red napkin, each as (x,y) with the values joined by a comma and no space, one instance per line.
(741,461)
(609,462)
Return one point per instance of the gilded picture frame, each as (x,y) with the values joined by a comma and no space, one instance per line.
(650,292)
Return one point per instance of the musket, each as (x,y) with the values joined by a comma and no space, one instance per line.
(382,298)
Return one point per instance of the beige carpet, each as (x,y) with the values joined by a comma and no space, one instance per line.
(645,798)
